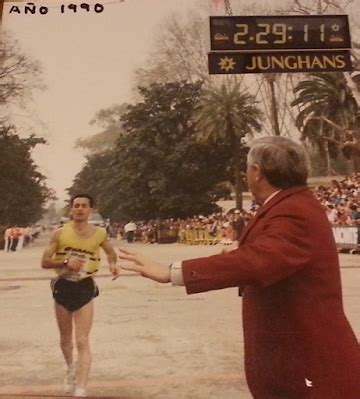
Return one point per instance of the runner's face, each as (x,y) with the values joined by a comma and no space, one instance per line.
(81,210)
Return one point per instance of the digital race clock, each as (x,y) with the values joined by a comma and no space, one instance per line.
(238,33)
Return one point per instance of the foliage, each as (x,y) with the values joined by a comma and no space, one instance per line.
(19,75)
(158,168)
(94,179)
(224,113)
(109,120)
(339,166)
(23,192)
(179,53)
(328,111)
(228,115)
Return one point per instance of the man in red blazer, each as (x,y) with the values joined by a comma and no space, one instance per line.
(298,342)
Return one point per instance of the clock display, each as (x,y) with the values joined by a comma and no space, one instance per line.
(280,32)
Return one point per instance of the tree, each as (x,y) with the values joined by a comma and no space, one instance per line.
(23,191)
(157,168)
(179,54)
(109,120)
(227,115)
(328,112)
(97,179)
(19,75)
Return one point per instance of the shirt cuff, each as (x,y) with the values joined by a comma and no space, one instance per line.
(176,275)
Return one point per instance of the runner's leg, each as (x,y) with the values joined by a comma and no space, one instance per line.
(64,320)
(83,319)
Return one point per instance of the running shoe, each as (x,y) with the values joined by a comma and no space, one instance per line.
(69,381)
(80,392)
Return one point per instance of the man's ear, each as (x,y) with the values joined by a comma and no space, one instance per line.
(257,172)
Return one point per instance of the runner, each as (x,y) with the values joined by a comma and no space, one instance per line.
(74,253)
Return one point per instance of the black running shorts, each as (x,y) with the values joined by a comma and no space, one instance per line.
(73,295)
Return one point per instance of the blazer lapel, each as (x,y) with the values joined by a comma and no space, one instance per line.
(278,197)
(249,226)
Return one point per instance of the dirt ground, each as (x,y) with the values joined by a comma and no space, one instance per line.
(148,340)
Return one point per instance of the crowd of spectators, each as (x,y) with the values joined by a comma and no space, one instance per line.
(341,200)
(216,228)
(17,237)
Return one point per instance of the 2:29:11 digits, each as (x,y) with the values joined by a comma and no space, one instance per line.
(281,32)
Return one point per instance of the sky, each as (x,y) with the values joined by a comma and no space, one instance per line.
(88,60)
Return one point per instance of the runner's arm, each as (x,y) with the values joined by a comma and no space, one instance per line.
(111,256)
(47,262)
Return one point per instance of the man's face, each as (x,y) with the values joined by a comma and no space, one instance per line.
(251,179)
(81,209)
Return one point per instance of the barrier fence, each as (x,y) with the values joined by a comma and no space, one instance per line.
(347,237)
(198,236)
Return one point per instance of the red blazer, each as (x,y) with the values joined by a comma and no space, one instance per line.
(298,342)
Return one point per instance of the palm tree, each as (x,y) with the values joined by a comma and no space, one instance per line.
(227,115)
(327,112)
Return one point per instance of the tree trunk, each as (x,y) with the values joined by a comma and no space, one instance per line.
(1,13)
(274,111)
(328,161)
(356,161)
(354,87)
(239,180)
(356,150)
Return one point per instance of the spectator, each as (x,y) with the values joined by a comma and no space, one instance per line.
(15,234)
(130,229)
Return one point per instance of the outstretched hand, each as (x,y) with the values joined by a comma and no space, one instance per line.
(114,271)
(146,267)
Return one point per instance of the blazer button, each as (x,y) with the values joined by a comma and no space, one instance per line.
(193,273)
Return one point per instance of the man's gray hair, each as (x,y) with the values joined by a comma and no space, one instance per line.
(282,161)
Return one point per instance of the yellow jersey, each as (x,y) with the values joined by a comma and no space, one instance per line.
(71,245)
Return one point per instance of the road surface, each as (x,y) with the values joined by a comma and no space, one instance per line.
(148,340)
